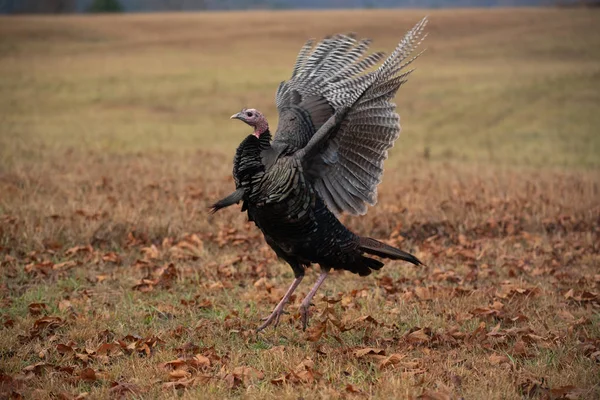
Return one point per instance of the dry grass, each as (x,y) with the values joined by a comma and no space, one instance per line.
(115,135)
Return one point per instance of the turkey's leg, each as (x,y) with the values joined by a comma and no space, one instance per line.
(306,302)
(276,314)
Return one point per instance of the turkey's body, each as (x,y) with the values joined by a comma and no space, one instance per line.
(295,221)
(337,121)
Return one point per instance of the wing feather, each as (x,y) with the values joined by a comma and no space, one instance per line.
(335,73)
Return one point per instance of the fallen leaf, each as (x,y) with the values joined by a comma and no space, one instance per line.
(497,359)
(277,350)
(179,374)
(391,360)
(88,375)
(108,349)
(520,348)
(316,331)
(443,392)
(37,308)
(37,368)
(419,336)
(368,351)
(111,257)
(64,349)
(120,388)
(64,305)
(247,374)
(350,388)
(64,265)
(303,373)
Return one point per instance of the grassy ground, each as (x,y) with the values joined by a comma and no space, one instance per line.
(115,137)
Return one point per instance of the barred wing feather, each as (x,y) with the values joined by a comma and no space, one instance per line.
(336,73)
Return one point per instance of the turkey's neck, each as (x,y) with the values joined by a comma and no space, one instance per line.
(262,128)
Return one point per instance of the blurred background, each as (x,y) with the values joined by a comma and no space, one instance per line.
(115,138)
(79,6)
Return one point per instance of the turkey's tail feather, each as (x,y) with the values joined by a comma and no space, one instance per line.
(366,265)
(377,248)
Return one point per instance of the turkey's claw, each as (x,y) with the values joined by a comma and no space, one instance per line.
(304,314)
(276,314)
(274,317)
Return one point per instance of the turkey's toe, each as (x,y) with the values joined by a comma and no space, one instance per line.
(274,317)
(304,313)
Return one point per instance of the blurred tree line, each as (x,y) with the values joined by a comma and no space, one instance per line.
(80,6)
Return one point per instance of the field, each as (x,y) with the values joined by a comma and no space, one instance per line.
(116,282)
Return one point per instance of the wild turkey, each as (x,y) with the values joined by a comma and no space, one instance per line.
(336,124)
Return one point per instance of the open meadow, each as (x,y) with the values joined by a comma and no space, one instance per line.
(116,282)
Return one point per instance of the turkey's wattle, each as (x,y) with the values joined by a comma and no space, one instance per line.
(336,124)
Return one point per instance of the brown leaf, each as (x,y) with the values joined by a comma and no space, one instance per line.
(37,308)
(432,395)
(303,373)
(180,384)
(486,312)
(174,364)
(391,360)
(423,293)
(179,374)
(64,305)
(69,396)
(63,266)
(568,392)
(123,388)
(277,350)
(111,257)
(201,361)
(419,336)
(145,286)
(45,324)
(79,249)
(247,374)
(84,358)
(37,368)
(64,349)
(315,332)
(232,381)
(168,276)
(366,318)
(108,349)
(101,278)
(88,375)
(151,253)
(187,348)
(497,359)
(350,388)
(442,392)
(520,348)
(358,353)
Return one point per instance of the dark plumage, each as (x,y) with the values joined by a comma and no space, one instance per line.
(336,124)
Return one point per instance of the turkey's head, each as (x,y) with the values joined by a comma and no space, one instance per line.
(254,118)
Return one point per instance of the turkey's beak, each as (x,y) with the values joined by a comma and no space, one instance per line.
(237,116)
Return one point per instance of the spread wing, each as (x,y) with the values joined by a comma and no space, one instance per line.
(337,74)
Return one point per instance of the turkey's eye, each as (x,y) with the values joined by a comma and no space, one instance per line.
(249,113)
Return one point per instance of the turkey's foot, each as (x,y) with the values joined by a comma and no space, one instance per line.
(273,318)
(305,314)
(266,318)
(305,306)
(276,314)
